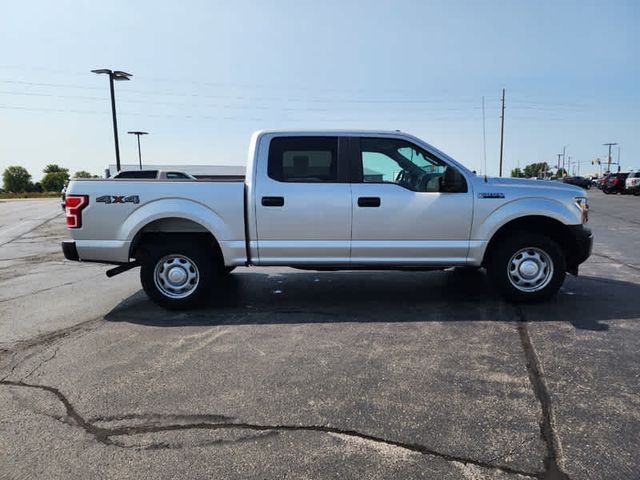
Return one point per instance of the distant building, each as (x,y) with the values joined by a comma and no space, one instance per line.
(200,171)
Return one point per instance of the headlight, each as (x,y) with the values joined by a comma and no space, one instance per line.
(583,205)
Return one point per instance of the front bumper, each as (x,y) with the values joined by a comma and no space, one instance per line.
(70,251)
(583,241)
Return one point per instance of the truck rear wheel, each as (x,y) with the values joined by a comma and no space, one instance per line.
(527,267)
(178,275)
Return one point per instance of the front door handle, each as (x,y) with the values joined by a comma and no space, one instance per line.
(368,201)
(272,201)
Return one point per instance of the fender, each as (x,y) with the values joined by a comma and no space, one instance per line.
(485,228)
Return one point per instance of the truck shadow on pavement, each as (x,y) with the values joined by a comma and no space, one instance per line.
(250,297)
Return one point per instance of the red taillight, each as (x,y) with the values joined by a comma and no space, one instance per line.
(615,180)
(73,206)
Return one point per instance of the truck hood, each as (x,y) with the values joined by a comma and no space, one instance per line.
(535,185)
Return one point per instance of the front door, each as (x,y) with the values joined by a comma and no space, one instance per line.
(403,211)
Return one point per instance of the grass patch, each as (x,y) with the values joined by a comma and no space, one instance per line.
(9,195)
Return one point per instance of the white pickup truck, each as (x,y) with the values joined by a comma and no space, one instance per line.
(330,200)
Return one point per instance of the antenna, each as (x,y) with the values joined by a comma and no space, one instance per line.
(484,141)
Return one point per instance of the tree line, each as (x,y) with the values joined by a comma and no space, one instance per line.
(537,170)
(17,179)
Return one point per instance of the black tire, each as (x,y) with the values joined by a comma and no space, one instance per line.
(542,251)
(194,258)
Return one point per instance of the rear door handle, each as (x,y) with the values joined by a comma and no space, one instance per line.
(368,201)
(272,201)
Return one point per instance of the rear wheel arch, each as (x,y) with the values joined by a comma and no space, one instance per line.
(171,230)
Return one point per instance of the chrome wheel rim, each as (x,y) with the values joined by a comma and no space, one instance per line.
(176,276)
(530,269)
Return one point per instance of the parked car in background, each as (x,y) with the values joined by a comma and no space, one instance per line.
(578,181)
(615,183)
(632,184)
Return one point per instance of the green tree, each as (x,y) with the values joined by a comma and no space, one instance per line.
(83,174)
(517,173)
(54,182)
(55,168)
(561,172)
(55,178)
(536,169)
(16,179)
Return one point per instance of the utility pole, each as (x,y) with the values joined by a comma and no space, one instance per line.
(609,158)
(484,140)
(559,155)
(502,132)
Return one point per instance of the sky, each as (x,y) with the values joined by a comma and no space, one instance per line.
(208,73)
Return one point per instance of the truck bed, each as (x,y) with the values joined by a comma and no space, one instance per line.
(118,209)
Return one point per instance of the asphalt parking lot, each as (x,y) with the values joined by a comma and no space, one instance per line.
(291,374)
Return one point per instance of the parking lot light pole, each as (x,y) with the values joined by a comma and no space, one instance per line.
(137,134)
(114,75)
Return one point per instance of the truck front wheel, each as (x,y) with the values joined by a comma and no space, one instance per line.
(527,267)
(178,275)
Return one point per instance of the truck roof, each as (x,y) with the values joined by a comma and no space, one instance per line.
(334,131)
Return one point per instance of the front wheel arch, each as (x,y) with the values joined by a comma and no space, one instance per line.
(535,224)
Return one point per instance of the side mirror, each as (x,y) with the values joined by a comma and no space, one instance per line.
(452,181)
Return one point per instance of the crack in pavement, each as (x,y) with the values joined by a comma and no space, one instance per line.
(31,229)
(553,457)
(615,260)
(206,443)
(40,364)
(43,340)
(105,435)
(66,284)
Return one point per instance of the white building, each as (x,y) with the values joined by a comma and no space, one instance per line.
(195,170)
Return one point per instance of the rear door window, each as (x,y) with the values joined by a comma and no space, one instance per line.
(304,159)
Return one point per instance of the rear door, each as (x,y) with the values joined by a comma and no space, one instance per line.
(303,202)
(403,211)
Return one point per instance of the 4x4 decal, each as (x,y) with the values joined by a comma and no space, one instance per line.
(108,199)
